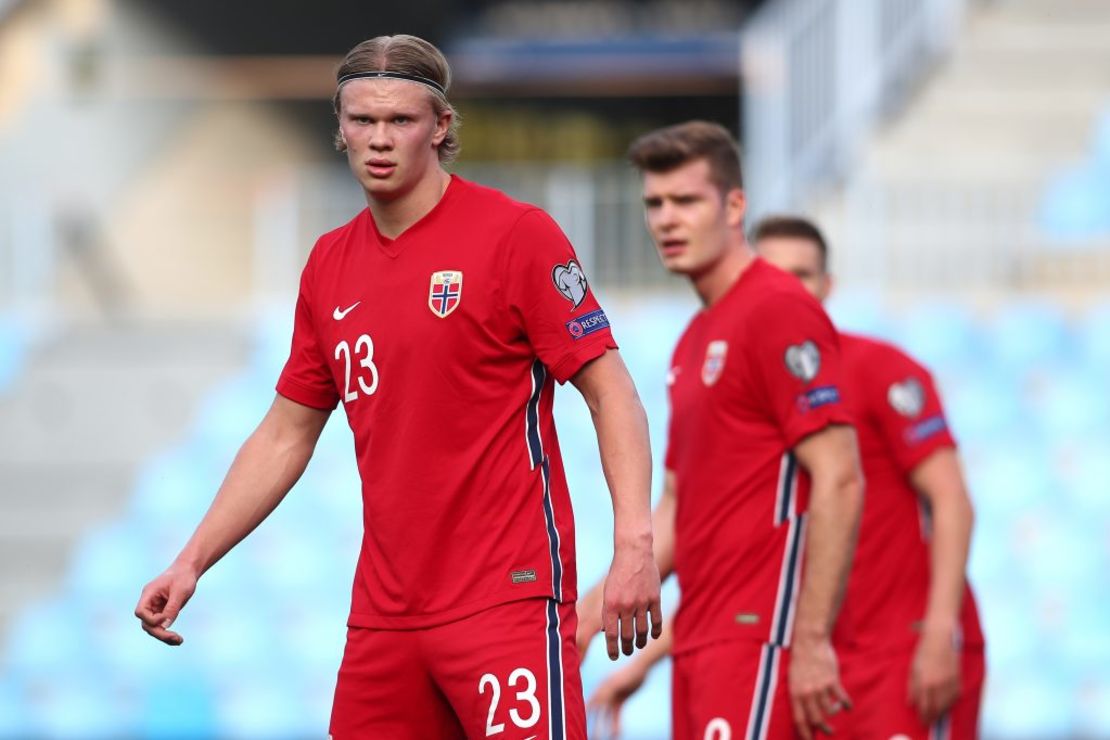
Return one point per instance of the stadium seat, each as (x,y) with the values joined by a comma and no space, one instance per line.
(1030,334)
(79,705)
(1071,403)
(177,705)
(1034,703)
(860,313)
(1075,208)
(15,721)
(1093,335)
(940,335)
(264,705)
(47,639)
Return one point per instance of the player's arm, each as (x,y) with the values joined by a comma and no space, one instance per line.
(267,466)
(631,590)
(662,527)
(611,694)
(831,457)
(935,675)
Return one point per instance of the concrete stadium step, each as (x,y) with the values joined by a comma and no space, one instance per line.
(93,404)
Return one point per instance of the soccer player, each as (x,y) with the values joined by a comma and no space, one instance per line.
(908,637)
(763,492)
(440,317)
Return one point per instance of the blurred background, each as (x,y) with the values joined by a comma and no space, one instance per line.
(166,166)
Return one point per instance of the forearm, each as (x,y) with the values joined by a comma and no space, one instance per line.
(622,437)
(835,503)
(829,543)
(266,467)
(940,482)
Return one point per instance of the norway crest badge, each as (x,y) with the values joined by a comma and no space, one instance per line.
(445,293)
(714,361)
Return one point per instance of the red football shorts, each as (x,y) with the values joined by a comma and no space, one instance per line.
(509,672)
(879,688)
(732,691)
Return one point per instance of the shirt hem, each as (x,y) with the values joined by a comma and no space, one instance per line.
(571,363)
(298,393)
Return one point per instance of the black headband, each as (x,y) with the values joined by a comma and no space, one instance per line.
(393,76)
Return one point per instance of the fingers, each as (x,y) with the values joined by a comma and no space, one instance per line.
(641,629)
(160,633)
(626,633)
(611,622)
(801,721)
(656,611)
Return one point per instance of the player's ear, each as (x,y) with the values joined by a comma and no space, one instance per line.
(443,125)
(736,205)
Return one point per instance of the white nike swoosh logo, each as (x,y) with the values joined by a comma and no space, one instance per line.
(338,315)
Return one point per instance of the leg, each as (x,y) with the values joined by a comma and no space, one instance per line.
(384,690)
(512,671)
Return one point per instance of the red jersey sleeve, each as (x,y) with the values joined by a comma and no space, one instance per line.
(306,377)
(796,353)
(905,402)
(550,297)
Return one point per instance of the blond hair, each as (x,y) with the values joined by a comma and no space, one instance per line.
(407,55)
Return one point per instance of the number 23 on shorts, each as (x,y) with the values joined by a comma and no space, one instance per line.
(525,714)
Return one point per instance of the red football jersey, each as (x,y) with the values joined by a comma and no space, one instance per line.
(752,376)
(899,422)
(443,345)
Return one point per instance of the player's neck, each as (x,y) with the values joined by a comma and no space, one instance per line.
(712,285)
(393,217)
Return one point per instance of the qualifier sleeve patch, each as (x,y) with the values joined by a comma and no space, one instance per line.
(587,324)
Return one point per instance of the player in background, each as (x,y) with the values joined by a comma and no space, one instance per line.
(440,317)
(908,637)
(763,491)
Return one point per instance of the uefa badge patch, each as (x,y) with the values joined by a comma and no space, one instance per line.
(445,293)
(907,397)
(570,281)
(714,361)
(803,360)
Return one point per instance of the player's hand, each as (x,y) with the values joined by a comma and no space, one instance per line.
(631,594)
(162,600)
(815,690)
(589,609)
(935,674)
(606,702)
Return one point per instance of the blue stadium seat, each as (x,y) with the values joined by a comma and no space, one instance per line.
(47,639)
(1031,334)
(1072,404)
(1038,702)
(15,720)
(940,335)
(1094,708)
(178,704)
(80,704)
(1011,480)
(861,313)
(173,491)
(1093,335)
(1074,207)
(264,705)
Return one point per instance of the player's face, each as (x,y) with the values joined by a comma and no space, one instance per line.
(800,257)
(392,134)
(689,218)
